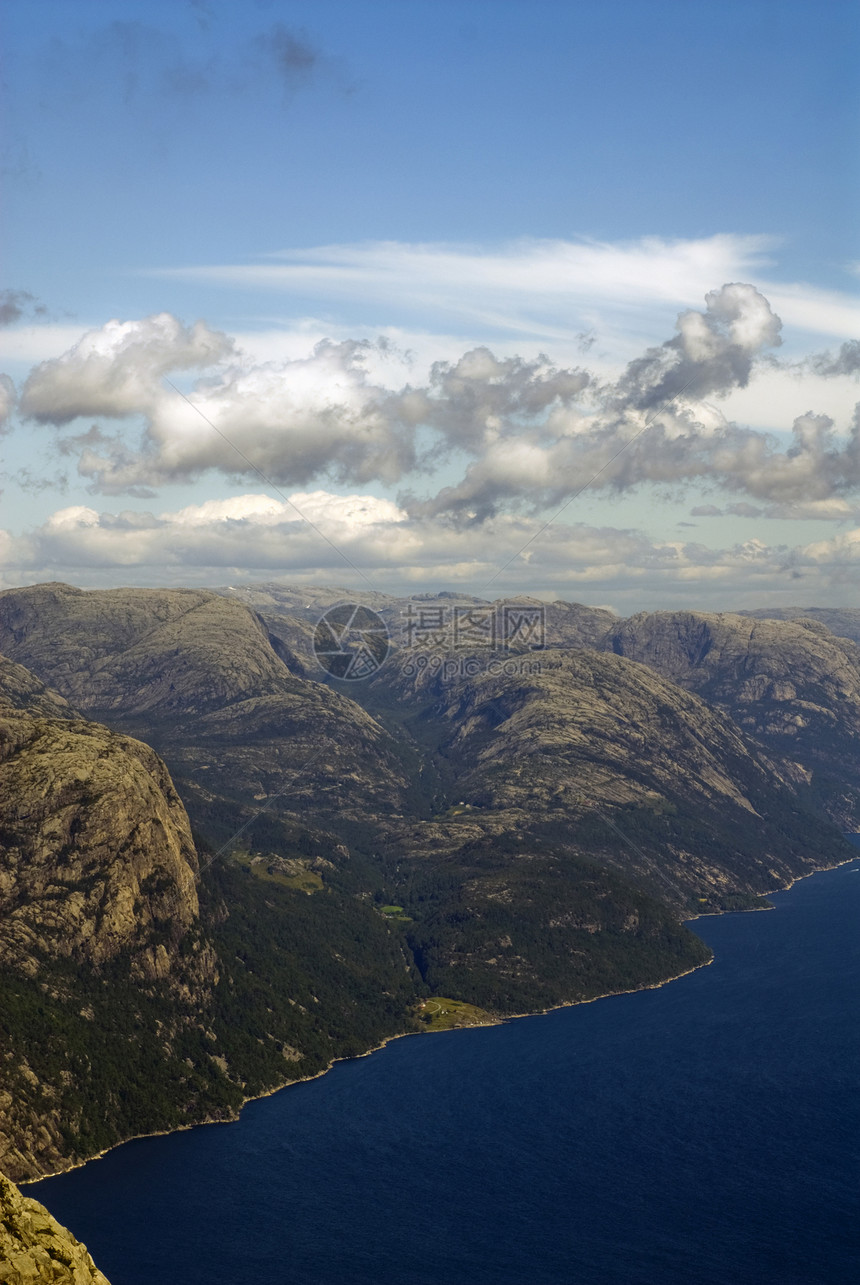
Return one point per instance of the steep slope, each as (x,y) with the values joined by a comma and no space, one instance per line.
(97,857)
(99,933)
(125,1008)
(21,690)
(291,615)
(792,684)
(586,796)
(35,1249)
(195,676)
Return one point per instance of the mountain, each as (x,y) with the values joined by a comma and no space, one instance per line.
(844,622)
(792,685)
(595,805)
(133,994)
(224,868)
(35,1248)
(196,676)
(291,614)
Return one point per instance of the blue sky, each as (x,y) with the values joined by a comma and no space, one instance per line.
(546,185)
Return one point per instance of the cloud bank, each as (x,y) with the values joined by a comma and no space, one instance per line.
(255,535)
(525,433)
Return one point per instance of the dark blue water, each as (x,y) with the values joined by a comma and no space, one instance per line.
(705,1133)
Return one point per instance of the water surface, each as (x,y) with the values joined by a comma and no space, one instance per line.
(705,1132)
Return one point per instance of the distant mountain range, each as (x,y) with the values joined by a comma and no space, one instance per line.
(221,867)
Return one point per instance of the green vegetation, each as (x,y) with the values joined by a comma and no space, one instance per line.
(293,873)
(413,854)
(440,1013)
(320,977)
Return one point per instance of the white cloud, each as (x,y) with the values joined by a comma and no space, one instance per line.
(535,433)
(531,286)
(336,514)
(36,343)
(8,398)
(253,535)
(543,288)
(116,370)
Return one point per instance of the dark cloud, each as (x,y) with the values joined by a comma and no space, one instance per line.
(8,398)
(744,510)
(294,57)
(845,362)
(712,353)
(17,305)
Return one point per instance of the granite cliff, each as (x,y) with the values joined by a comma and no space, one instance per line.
(791,684)
(35,1249)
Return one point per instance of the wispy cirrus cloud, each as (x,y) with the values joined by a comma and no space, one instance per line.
(544,288)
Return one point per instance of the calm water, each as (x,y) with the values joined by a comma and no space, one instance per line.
(703,1133)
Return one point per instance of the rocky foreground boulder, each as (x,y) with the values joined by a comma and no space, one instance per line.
(34,1247)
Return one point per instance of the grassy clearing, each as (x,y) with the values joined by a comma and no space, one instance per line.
(443,1014)
(295,875)
(395,912)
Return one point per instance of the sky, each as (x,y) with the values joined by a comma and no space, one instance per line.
(486,296)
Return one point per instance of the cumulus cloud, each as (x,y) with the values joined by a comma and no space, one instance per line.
(712,353)
(845,362)
(8,398)
(116,370)
(654,425)
(533,433)
(291,421)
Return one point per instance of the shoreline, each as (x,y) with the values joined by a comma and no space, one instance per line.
(400,1035)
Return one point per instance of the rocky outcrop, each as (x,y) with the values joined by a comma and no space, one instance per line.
(100,941)
(35,1249)
(791,684)
(97,856)
(139,651)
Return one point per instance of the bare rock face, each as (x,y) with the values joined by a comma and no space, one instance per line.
(100,942)
(139,650)
(196,676)
(19,689)
(96,855)
(790,683)
(34,1248)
